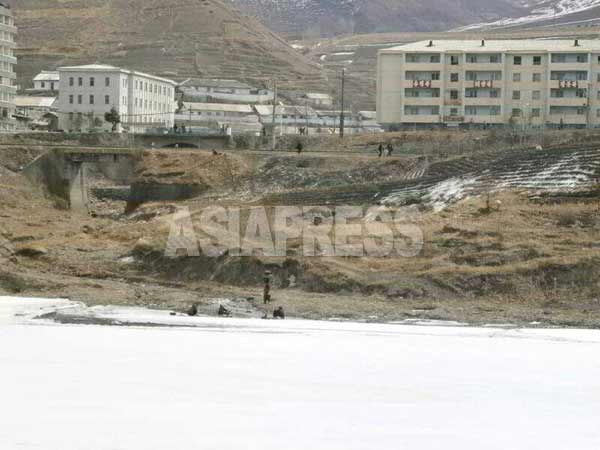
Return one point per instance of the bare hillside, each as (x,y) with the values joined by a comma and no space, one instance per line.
(180,38)
(311,18)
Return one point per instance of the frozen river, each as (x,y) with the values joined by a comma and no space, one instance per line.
(252,384)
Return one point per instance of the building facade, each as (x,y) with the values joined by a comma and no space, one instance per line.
(87,92)
(238,118)
(534,83)
(46,81)
(8,88)
(224,91)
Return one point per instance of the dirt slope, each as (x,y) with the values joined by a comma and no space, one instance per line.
(179,38)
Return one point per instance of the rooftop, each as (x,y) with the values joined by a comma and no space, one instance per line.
(215,82)
(288,110)
(109,68)
(506,45)
(216,107)
(47,75)
(318,95)
(25,101)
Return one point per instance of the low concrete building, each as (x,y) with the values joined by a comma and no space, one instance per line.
(237,118)
(87,92)
(288,119)
(331,119)
(223,91)
(46,81)
(36,112)
(367,122)
(319,100)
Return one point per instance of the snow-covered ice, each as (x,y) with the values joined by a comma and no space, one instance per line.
(253,384)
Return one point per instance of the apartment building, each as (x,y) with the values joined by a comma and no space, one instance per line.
(8,88)
(87,92)
(462,82)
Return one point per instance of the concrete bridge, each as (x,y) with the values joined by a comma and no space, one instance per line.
(62,172)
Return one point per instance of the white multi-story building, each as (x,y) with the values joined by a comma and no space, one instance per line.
(87,92)
(8,88)
(534,82)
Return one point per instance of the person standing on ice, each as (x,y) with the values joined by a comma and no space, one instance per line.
(267,288)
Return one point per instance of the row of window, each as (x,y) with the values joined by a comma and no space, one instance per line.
(91,99)
(6,36)
(152,105)
(7,20)
(497,76)
(6,51)
(497,58)
(7,97)
(91,81)
(5,81)
(139,85)
(145,86)
(50,85)
(496,111)
(126,119)
(493,93)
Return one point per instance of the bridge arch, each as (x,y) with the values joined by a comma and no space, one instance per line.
(180,145)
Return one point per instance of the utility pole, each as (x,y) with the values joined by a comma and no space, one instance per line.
(273,143)
(342,101)
(306,115)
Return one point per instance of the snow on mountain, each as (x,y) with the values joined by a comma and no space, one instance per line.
(540,10)
(315,18)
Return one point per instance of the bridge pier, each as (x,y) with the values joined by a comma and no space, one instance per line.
(78,193)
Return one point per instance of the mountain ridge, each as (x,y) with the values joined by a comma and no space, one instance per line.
(326,18)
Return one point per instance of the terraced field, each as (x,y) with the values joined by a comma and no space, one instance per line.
(444,182)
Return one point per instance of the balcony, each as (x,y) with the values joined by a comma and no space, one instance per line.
(453,101)
(421,118)
(422,84)
(568,101)
(9,28)
(422,101)
(570,66)
(567,119)
(483,84)
(568,84)
(423,66)
(11,75)
(454,119)
(480,118)
(483,67)
(483,101)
